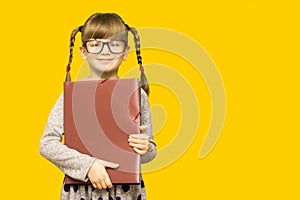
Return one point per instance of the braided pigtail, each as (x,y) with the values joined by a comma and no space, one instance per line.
(72,41)
(144,82)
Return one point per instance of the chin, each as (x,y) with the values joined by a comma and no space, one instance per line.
(106,69)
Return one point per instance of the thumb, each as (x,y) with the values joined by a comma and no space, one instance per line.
(109,164)
(142,129)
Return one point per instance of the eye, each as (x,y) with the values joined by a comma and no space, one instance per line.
(94,43)
(115,43)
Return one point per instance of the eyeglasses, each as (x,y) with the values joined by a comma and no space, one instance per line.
(96,46)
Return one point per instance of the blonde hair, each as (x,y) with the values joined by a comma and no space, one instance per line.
(107,25)
(104,26)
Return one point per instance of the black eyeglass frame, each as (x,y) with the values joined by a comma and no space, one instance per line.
(105,43)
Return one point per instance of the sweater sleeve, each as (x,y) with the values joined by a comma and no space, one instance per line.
(146,120)
(70,161)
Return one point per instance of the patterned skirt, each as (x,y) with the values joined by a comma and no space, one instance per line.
(117,192)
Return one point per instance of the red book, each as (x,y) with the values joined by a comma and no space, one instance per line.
(98,118)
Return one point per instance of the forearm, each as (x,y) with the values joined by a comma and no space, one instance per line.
(71,162)
(150,155)
(146,120)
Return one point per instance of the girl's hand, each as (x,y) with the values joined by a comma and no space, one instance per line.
(98,175)
(140,142)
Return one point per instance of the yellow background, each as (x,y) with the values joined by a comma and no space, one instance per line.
(255,45)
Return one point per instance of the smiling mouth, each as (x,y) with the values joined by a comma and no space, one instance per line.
(105,60)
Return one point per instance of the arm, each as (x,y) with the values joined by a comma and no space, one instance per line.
(71,162)
(146,121)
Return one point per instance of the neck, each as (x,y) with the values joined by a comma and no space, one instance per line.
(104,75)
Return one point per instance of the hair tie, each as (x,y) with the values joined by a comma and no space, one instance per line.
(68,68)
(141,68)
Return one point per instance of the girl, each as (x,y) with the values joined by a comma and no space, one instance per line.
(104,46)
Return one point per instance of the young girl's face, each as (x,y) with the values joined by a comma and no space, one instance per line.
(104,56)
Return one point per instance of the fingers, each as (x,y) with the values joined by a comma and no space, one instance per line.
(98,175)
(139,136)
(139,151)
(102,182)
(106,182)
(139,142)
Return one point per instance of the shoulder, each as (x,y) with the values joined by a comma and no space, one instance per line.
(60,100)
(58,106)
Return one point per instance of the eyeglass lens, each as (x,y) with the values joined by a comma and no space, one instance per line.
(96,46)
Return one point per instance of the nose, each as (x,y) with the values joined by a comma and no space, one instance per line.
(105,49)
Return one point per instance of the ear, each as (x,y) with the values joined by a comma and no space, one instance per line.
(83,53)
(126,53)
